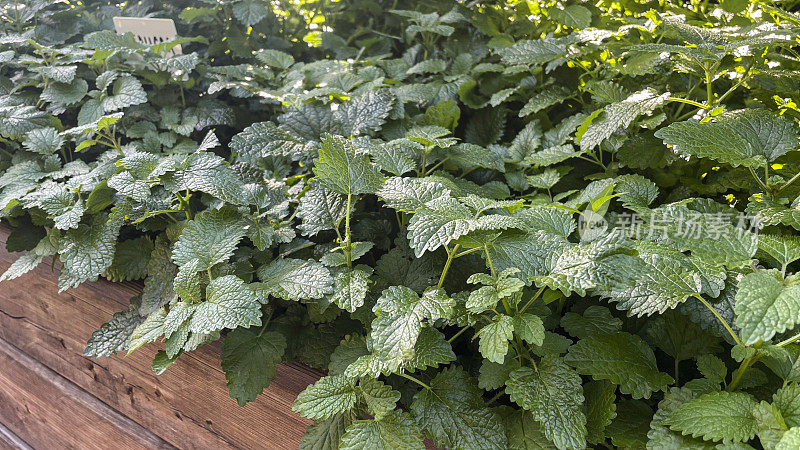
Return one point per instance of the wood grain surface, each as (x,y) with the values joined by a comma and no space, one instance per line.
(186,407)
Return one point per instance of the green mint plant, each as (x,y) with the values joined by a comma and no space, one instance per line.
(490,224)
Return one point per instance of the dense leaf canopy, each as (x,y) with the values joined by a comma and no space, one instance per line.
(493,224)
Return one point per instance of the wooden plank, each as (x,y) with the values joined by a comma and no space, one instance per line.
(51,412)
(188,406)
(10,441)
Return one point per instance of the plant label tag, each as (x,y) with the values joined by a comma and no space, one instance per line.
(149,31)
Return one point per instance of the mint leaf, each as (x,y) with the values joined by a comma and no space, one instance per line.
(275,58)
(208,173)
(594,320)
(410,194)
(453,415)
(65,93)
(379,397)
(494,338)
(401,315)
(342,168)
(599,409)
(782,249)
(126,91)
(44,141)
(149,330)
(440,221)
(326,434)
(620,115)
(787,400)
(553,395)
(365,113)
(534,52)
(87,251)
(789,440)
(321,209)
(294,279)
(522,430)
(766,304)
(229,303)
(573,16)
(750,138)
(209,239)
(396,430)
(114,335)
(718,416)
(529,327)
(131,259)
(249,361)
(622,358)
(250,12)
(660,435)
(327,397)
(265,139)
(350,287)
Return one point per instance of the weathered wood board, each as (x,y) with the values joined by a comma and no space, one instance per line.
(47,386)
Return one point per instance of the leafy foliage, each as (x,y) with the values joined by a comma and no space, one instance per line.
(493,224)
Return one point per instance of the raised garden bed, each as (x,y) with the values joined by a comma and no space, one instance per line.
(51,396)
(492,224)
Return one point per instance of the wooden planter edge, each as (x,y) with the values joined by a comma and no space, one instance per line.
(51,396)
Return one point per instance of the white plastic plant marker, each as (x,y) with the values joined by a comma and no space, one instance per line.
(149,31)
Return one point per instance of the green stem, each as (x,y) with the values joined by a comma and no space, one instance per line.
(688,102)
(788,341)
(758,180)
(686,116)
(415,380)
(103,139)
(688,94)
(677,363)
(737,377)
(467,252)
(522,348)
(17,23)
(592,160)
(709,90)
(530,302)
(264,327)
(149,214)
(506,306)
(462,330)
(436,166)
(384,34)
(451,255)
(114,139)
(169,215)
(766,174)
(346,247)
(184,205)
(733,88)
(789,182)
(112,142)
(494,399)
(489,260)
(721,320)
(338,234)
